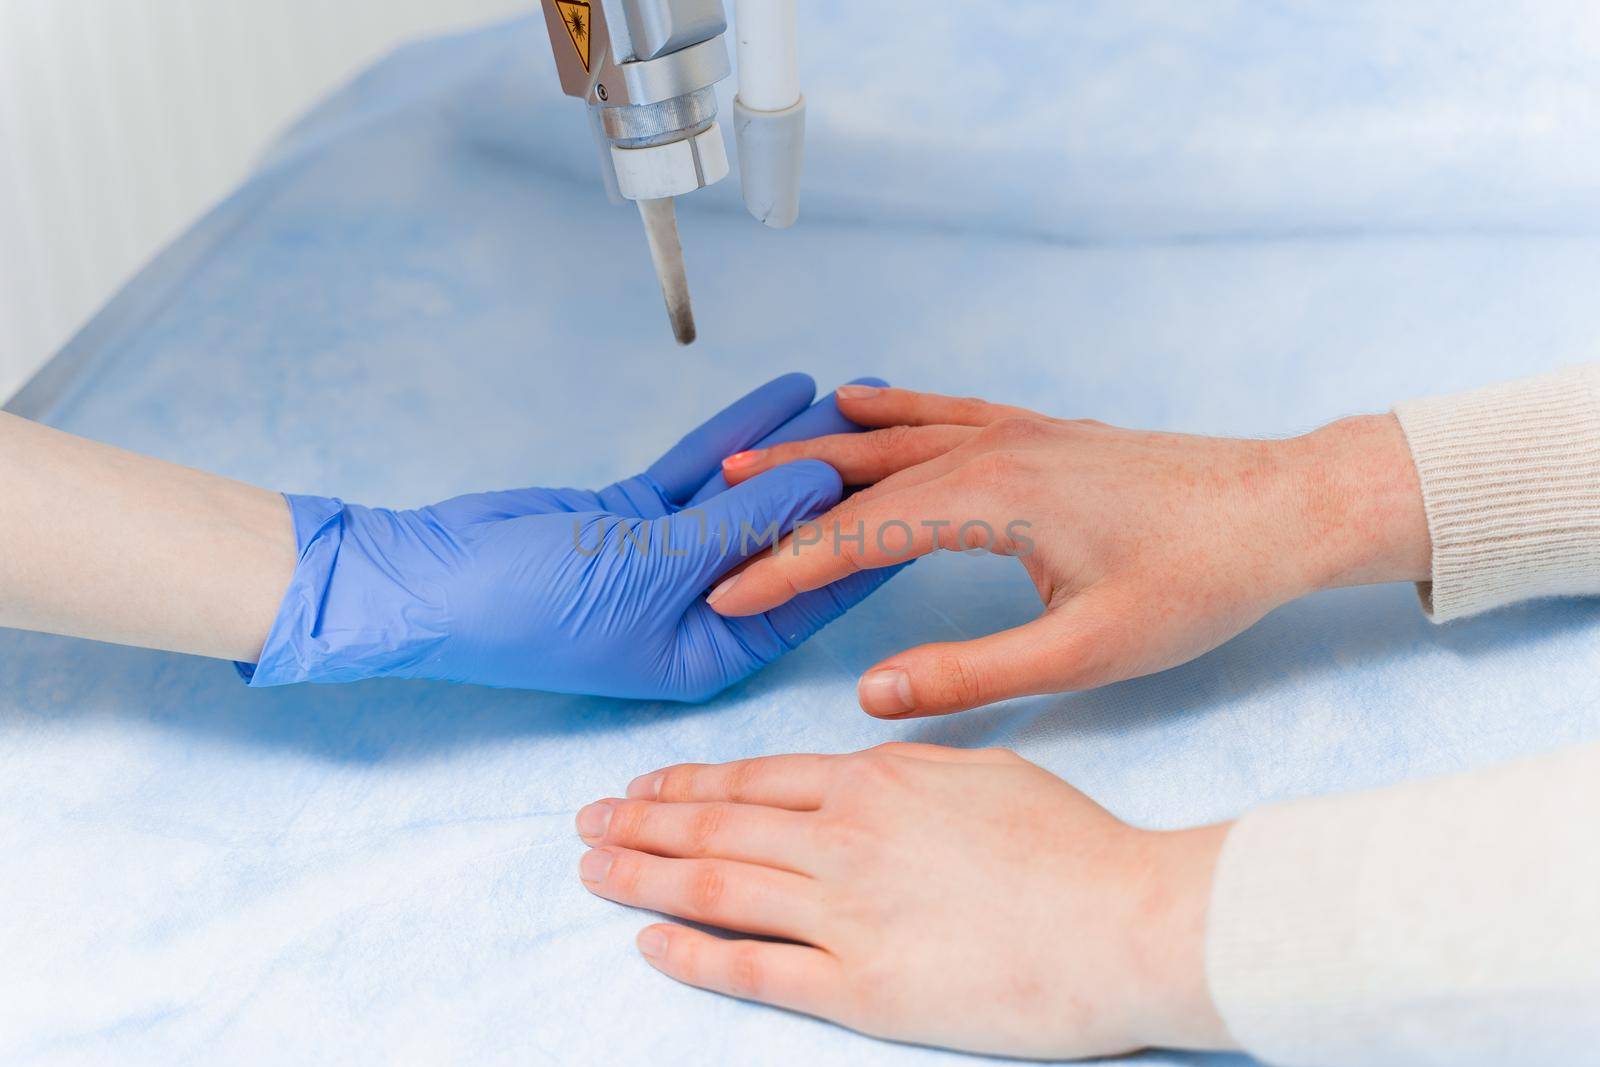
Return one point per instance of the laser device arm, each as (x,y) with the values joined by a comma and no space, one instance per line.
(648,71)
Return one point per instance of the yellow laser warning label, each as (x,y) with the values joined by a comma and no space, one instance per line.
(575,14)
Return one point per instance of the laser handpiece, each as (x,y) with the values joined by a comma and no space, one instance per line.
(648,71)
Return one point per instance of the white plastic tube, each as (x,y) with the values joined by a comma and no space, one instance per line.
(769,54)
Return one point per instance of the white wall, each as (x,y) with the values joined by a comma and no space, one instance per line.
(122,120)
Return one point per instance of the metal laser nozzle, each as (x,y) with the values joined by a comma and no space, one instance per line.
(666,252)
(648,70)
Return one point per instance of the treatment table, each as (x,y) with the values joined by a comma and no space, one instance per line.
(1224,217)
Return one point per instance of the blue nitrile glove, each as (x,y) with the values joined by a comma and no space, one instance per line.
(566,589)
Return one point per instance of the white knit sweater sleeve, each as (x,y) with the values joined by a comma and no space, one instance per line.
(1511,483)
(1456,921)
(1446,922)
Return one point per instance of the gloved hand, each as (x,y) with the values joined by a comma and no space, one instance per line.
(565,589)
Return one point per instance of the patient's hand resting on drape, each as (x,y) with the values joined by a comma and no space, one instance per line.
(962,899)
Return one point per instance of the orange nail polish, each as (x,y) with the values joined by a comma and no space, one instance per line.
(744,459)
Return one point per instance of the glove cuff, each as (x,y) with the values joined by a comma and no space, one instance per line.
(344,617)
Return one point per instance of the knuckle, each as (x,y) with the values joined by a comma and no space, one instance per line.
(971,407)
(956,679)
(995,434)
(994,470)
(1014,429)
(874,996)
(876,769)
(889,441)
(838,835)
(850,554)
(838,774)
(743,778)
(629,822)
(677,783)
(705,828)
(708,887)
(683,957)
(787,588)
(745,971)
(625,875)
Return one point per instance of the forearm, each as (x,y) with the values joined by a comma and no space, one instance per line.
(102,543)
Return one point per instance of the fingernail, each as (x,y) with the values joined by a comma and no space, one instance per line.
(722,589)
(747,458)
(594,866)
(886,692)
(856,392)
(652,942)
(593,820)
(645,787)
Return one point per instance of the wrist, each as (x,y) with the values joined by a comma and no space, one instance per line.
(1176,1009)
(349,612)
(1362,519)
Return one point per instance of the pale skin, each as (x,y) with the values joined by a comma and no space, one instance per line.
(966,899)
(972,899)
(107,544)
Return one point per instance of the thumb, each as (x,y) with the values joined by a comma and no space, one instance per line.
(735,525)
(1059,651)
(783,629)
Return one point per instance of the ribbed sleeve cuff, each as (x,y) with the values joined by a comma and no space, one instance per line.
(1511,482)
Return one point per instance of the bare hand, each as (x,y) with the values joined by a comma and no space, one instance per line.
(1147,549)
(965,899)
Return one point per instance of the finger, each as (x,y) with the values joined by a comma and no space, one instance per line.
(736,896)
(819,420)
(1010,434)
(745,644)
(690,462)
(946,754)
(860,458)
(860,535)
(922,473)
(750,833)
(796,782)
(1054,653)
(870,406)
(750,518)
(796,977)
(788,626)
